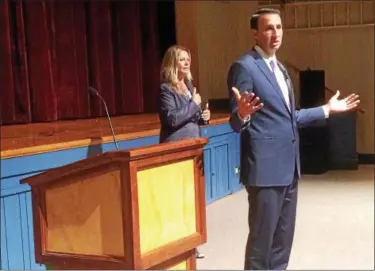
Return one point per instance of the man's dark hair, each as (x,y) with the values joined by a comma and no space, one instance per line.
(255,17)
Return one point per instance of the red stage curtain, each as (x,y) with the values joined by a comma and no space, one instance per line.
(150,55)
(14,78)
(52,51)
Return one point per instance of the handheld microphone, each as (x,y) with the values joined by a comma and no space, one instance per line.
(95,92)
(202,121)
(284,72)
(288,82)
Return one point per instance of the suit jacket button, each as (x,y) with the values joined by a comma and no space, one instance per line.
(293,141)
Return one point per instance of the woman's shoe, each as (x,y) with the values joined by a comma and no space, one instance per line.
(199,255)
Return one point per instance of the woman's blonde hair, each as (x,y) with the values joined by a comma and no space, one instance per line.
(169,69)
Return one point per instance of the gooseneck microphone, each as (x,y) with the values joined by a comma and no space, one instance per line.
(95,92)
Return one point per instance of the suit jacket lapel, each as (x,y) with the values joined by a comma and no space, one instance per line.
(267,72)
(190,88)
(290,87)
(269,75)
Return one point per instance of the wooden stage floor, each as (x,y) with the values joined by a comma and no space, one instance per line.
(27,139)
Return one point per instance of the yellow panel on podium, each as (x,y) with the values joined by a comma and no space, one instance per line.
(137,209)
(167,205)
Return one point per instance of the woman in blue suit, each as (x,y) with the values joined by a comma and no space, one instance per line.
(179,106)
(179,103)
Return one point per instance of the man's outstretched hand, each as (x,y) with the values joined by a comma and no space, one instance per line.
(247,104)
(335,105)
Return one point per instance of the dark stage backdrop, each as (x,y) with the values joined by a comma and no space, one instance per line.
(52,51)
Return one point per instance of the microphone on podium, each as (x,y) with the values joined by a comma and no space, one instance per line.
(95,92)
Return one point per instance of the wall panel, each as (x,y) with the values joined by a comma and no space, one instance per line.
(221,34)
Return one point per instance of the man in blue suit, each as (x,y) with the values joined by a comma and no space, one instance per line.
(270,162)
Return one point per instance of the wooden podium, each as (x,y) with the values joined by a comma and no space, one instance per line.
(142,208)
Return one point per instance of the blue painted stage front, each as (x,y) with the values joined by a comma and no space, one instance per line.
(221,164)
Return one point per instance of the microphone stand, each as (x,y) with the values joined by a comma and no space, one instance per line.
(95,92)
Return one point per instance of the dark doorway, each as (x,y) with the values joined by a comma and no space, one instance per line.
(166,25)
